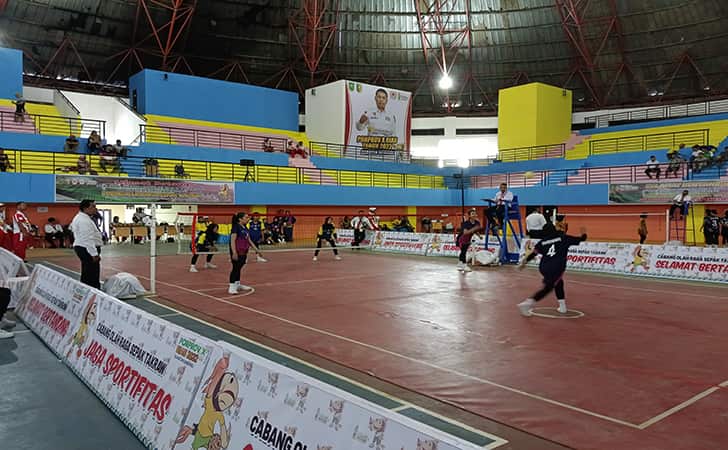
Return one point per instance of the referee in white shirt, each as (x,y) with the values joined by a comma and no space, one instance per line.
(87,243)
(535,223)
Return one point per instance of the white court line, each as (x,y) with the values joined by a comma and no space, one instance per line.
(169,314)
(405,357)
(677,408)
(724,384)
(669,293)
(497,440)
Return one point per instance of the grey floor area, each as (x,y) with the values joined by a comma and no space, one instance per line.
(44,406)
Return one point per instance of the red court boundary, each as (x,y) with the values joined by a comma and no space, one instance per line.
(645,368)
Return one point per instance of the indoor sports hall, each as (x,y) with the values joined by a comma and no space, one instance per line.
(380,224)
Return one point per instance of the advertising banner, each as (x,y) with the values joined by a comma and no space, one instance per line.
(346,237)
(412,243)
(10,264)
(664,191)
(245,403)
(143,368)
(54,305)
(70,188)
(662,261)
(377,118)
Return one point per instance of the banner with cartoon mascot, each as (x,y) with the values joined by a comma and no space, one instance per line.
(246,402)
(663,261)
(53,306)
(143,368)
(378,118)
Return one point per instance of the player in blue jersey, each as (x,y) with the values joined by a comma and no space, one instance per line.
(554,250)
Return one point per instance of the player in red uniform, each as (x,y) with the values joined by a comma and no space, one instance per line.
(21,230)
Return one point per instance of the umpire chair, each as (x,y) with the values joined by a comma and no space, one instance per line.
(511,213)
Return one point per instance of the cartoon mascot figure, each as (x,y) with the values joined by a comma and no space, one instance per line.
(221,391)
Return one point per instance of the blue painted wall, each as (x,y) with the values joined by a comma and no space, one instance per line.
(39,142)
(27,187)
(39,188)
(11,72)
(587,194)
(214,100)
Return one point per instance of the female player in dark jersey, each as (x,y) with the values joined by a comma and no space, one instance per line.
(327,232)
(464,237)
(554,249)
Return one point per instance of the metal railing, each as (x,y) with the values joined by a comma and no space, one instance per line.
(656,141)
(661,112)
(592,175)
(240,141)
(358,152)
(67,163)
(530,153)
(53,125)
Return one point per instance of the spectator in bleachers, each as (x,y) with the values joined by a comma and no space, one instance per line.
(301,150)
(294,150)
(699,159)
(120,150)
(4,162)
(267,145)
(54,233)
(94,143)
(71,145)
(497,211)
(179,171)
(109,159)
(675,150)
(84,166)
(721,158)
(19,103)
(653,166)
(151,167)
(674,164)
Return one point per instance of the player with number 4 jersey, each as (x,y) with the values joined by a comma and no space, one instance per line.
(554,250)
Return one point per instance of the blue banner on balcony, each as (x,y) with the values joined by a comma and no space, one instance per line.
(664,192)
(71,189)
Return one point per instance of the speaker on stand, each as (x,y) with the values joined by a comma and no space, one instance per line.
(248,163)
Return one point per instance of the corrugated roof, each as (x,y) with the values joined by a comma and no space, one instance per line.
(674,47)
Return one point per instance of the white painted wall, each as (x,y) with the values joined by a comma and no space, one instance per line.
(453,147)
(121,123)
(326,112)
(65,107)
(35,94)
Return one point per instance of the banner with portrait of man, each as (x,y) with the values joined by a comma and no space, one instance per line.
(378,118)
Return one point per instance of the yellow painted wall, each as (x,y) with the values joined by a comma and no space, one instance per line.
(688,134)
(412,215)
(533,114)
(553,114)
(53,124)
(517,110)
(695,218)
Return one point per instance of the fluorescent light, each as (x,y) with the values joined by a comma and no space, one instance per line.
(463,163)
(440,163)
(445,82)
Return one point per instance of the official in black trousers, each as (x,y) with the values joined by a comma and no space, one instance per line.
(87,242)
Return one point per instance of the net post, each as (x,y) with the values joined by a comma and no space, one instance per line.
(153,252)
